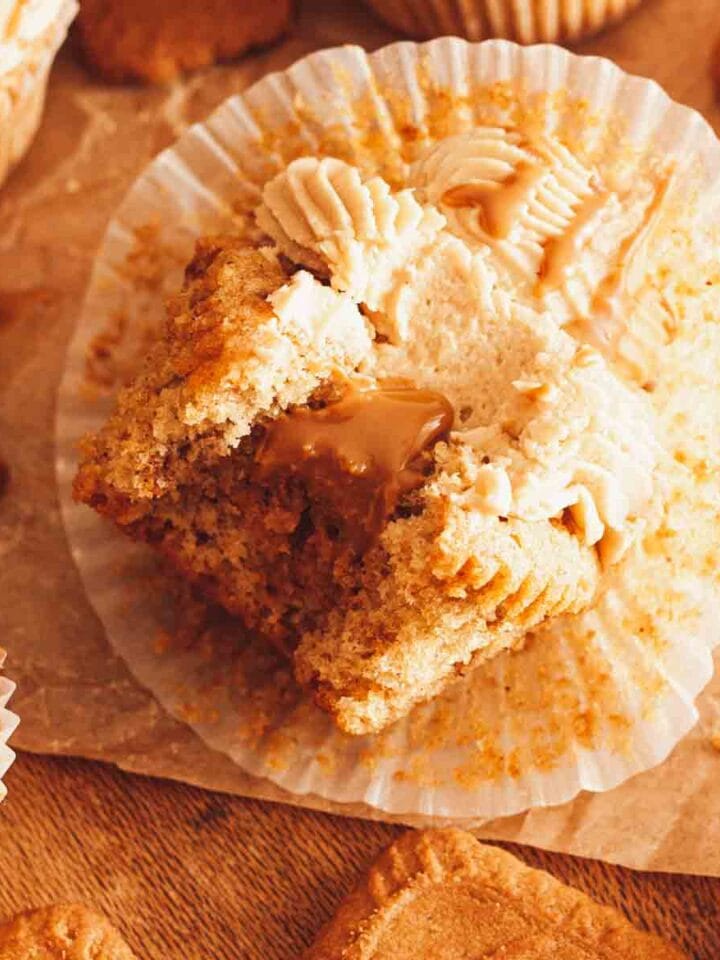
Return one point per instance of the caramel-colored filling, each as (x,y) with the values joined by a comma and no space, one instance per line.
(498,203)
(359,455)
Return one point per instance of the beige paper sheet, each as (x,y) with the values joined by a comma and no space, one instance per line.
(74,696)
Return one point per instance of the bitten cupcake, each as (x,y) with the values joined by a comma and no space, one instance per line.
(430,417)
(399,473)
(527,21)
(31,32)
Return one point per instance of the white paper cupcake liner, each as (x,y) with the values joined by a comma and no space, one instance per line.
(589,702)
(25,60)
(527,21)
(8,723)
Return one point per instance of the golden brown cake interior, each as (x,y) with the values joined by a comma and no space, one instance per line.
(247,534)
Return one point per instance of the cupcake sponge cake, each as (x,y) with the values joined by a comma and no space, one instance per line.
(360,442)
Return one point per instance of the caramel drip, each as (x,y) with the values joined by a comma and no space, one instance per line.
(358,456)
(561,252)
(615,283)
(499,203)
(604,327)
(14,20)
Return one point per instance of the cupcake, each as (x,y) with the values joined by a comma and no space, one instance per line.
(527,21)
(429,415)
(441,893)
(8,723)
(31,32)
(130,39)
(375,472)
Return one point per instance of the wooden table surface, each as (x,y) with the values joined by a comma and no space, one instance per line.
(189,874)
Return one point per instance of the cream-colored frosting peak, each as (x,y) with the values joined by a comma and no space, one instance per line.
(497,188)
(560,238)
(326,217)
(579,441)
(317,315)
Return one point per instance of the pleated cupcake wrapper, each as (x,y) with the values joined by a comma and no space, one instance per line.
(527,21)
(8,723)
(23,87)
(582,707)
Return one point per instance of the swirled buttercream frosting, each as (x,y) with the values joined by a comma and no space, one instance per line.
(548,431)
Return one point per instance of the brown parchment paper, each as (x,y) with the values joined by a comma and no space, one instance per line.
(75,696)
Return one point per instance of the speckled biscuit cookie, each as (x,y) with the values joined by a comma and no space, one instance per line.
(441,894)
(61,933)
(126,39)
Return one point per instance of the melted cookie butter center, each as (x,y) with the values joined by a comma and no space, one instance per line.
(359,455)
(498,203)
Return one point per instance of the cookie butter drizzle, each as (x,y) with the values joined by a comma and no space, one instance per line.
(607,319)
(359,455)
(615,285)
(13,21)
(498,203)
(562,251)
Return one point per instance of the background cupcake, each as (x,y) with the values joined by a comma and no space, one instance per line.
(8,722)
(31,32)
(527,21)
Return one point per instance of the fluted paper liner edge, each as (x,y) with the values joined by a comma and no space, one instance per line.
(196,187)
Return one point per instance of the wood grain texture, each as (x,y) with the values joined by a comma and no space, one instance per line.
(187,874)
